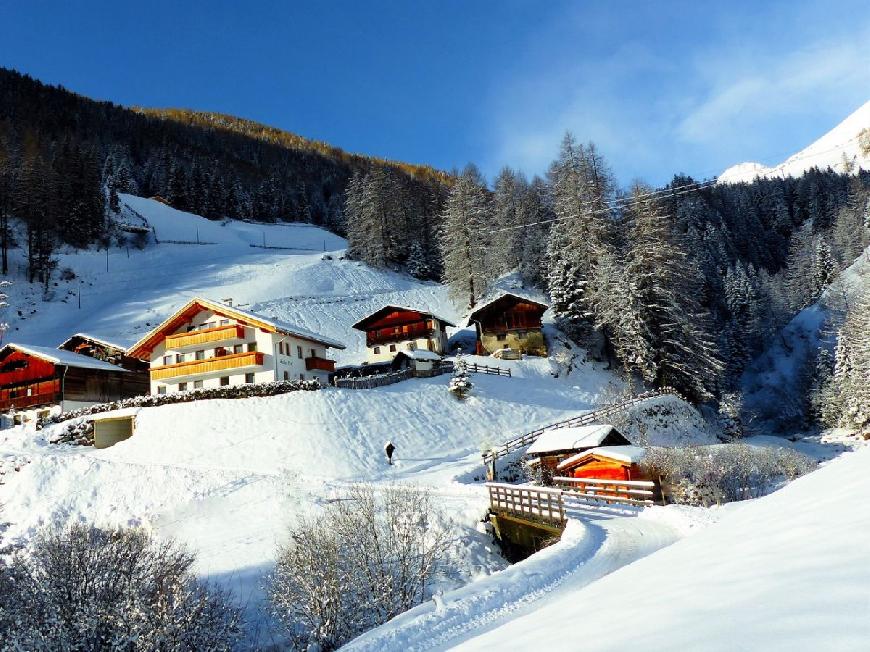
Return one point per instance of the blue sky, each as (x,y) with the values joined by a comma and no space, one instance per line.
(661,87)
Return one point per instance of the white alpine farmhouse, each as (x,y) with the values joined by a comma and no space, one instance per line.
(207,344)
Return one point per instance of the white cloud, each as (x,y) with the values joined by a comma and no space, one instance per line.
(654,112)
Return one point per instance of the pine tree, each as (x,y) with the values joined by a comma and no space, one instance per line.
(678,348)
(467,215)
(417,265)
(850,401)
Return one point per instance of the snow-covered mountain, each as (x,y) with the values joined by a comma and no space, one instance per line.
(837,149)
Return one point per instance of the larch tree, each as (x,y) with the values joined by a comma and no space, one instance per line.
(467,218)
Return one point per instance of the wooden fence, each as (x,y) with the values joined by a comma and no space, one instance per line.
(594,491)
(528,502)
(553,505)
(379,380)
(490,456)
(475,368)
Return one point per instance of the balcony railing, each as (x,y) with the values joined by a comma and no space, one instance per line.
(196,338)
(320,364)
(198,367)
(21,402)
(398,333)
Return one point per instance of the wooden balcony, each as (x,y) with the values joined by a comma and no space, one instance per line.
(22,402)
(313,363)
(211,365)
(205,336)
(398,334)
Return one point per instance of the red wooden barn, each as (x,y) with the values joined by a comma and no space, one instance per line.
(36,380)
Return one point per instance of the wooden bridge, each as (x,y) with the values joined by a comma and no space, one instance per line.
(526,517)
(491,456)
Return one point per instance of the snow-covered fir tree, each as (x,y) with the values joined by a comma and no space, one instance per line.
(460,384)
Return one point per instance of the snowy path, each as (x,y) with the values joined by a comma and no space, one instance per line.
(589,550)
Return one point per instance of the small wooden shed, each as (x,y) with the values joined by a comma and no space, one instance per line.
(557,444)
(108,431)
(606,463)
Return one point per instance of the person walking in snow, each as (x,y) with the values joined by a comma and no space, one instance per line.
(388,450)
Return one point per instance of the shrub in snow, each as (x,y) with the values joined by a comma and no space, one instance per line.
(704,475)
(154,400)
(86,588)
(460,384)
(366,559)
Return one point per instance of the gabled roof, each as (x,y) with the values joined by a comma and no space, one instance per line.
(624,454)
(91,338)
(565,439)
(145,345)
(481,307)
(421,354)
(361,324)
(61,357)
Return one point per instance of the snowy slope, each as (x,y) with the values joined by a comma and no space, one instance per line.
(770,382)
(837,149)
(786,572)
(142,287)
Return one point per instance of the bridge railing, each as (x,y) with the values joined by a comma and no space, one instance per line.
(593,491)
(527,502)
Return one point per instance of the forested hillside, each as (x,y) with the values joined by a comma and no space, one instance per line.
(64,158)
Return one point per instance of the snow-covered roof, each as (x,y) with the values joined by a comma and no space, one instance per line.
(65,358)
(358,325)
(561,439)
(92,338)
(627,454)
(486,303)
(421,354)
(147,343)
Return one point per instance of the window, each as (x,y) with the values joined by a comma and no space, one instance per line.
(182,387)
(521,334)
(281,347)
(161,389)
(299,352)
(313,353)
(392,348)
(237,348)
(179,357)
(249,378)
(199,355)
(286,375)
(377,350)
(220,352)
(225,380)
(252,346)
(501,337)
(167,359)
(197,384)
(411,346)
(225,322)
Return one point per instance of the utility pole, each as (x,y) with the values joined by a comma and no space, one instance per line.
(264,239)
(80,294)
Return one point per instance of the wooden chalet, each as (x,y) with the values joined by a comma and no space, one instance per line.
(557,444)
(207,344)
(100,349)
(36,382)
(509,321)
(396,328)
(606,463)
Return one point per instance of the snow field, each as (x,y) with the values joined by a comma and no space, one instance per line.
(785,572)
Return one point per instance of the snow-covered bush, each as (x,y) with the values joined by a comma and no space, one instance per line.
(704,475)
(366,559)
(247,390)
(86,588)
(460,384)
